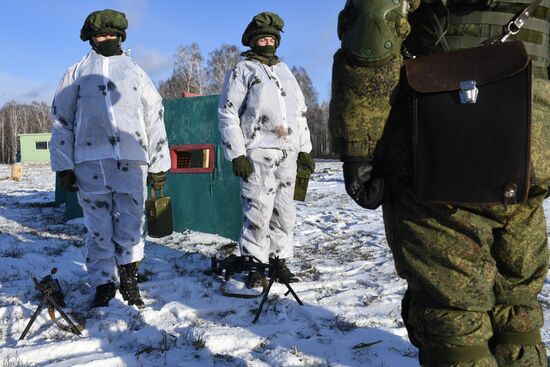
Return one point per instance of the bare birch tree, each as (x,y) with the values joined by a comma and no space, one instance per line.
(219,62)
(3,153)
(13,126)
(188,73)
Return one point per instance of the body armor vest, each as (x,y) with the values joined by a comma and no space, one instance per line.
(465,24)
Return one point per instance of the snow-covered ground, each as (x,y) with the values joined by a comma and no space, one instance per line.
(351,293)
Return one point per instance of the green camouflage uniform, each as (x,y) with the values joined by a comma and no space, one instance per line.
(473,272)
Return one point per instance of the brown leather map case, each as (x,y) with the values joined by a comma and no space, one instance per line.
(471,119)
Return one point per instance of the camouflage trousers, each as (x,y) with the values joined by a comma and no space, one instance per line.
(267,199)
(113,201)
(473,277)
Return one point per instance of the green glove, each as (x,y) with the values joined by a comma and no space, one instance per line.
(242,167)
(158,180)
(68,180)
(305,160)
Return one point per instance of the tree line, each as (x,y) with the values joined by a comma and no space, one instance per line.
(191,73)
(17,118)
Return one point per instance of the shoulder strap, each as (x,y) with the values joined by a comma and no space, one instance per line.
(515,24)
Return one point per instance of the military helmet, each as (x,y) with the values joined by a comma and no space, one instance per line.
(104,21)
(263,24)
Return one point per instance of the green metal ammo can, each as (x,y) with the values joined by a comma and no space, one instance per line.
(302,180)
(158,211)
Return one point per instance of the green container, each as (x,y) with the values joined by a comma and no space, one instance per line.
(158,211)
(302,181)
(72,208)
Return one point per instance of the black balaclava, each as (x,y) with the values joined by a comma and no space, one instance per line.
(266,51)
(110,47)
(264,54)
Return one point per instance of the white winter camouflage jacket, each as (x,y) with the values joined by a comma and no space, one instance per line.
(262,107)
(108,108)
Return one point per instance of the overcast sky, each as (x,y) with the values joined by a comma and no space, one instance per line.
(40,38)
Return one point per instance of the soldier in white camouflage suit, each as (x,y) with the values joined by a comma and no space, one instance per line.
(264,133)
(108,136)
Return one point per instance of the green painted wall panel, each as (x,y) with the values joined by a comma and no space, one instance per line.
(205,202)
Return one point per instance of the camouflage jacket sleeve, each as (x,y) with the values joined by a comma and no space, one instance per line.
(63,118)
(305,137)
(540,131)
(153,117)
(232,97)
(360,104)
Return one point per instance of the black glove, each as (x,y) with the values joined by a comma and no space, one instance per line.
(158,180)
(365,190)
(67,180)
(242,167)
(305,160)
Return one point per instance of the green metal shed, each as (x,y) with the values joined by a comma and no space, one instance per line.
(204,191)
(205,194)
(35,147)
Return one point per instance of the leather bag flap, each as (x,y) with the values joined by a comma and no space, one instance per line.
(444,72)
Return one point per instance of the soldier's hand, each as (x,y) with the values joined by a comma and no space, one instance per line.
(158,180)
(242,167)
(68,180)
(305,160)
(365,190)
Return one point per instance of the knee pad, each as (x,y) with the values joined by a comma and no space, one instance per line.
(372,30)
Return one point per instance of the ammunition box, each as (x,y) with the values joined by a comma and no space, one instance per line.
(158,211)
(302,181)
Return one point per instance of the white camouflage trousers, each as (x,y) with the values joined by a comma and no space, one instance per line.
(112,199)
(267,199)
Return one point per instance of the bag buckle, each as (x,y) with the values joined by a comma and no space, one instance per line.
(468,91)
(510,193)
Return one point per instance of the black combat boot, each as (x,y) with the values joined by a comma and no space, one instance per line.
(128,284)
(284,275)
(103,294)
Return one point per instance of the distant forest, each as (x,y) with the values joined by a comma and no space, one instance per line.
(192,73)
(15,119)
